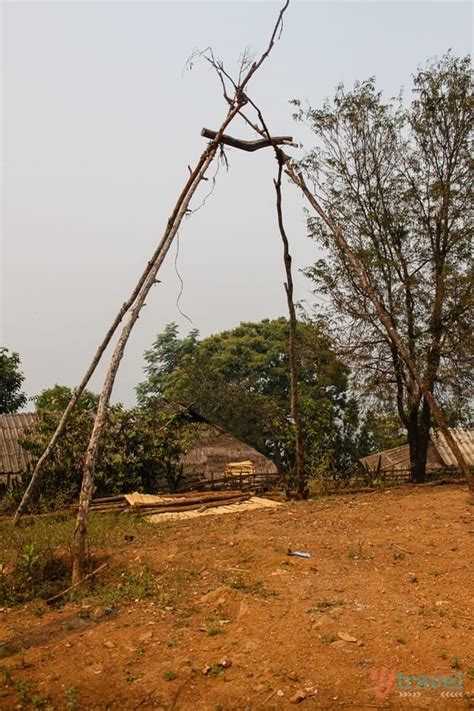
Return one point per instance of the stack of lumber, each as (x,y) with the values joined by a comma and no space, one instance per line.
(147,504)
(237,468)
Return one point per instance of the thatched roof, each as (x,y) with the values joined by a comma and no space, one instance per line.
(13,458)
(211,455)
(439,453)
(214,448)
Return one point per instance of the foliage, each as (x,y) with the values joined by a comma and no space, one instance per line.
(381,431)
(397,181)
(163,357)
(11,380)
(239,379)
(140,448)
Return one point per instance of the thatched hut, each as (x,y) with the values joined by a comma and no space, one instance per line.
(211,455)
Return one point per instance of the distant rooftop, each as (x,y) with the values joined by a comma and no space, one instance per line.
(13,458)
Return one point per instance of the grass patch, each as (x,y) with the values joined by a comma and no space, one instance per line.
(213,630)
(251,588)
(169,676)
(215,670)
(323,605)
(35,556)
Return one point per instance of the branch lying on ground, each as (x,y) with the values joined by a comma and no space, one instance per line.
(71,587)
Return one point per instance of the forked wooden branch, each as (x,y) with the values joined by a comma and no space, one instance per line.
(249,146)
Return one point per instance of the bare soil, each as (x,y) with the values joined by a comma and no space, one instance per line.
(388,590)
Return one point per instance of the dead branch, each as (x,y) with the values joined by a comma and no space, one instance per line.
(249,146)
(71,587)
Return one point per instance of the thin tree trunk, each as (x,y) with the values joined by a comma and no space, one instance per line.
(299,446)
(384,317)
(87,489)
(418,438)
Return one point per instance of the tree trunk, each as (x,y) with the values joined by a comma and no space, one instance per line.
(418,440)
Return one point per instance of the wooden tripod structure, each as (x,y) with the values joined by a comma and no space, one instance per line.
(135,303)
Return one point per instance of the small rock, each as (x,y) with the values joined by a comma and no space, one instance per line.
(146,637)
(298,697)
(293,676)
(216,597)
(338,643)
(99,612)
(346,637)
(109,644)
(225,664)
(206,669)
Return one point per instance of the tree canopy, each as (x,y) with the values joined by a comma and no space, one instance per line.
(140,450)
(11,381)
(397,181)
(239,379)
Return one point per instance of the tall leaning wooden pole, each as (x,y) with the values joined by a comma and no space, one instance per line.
(236,103)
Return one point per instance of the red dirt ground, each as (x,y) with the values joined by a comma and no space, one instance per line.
(393,570)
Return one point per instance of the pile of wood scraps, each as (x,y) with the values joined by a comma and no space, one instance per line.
(237,468)
(147,504)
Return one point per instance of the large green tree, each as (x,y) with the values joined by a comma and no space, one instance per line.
(11,381)
(239,379)
(397,180)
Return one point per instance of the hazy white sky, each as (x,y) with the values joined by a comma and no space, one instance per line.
(99,123)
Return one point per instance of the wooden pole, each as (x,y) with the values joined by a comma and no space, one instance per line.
(299,446)
(87,489)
